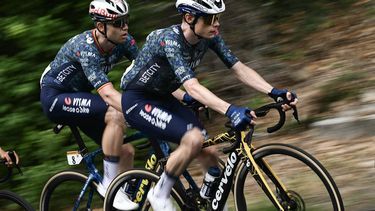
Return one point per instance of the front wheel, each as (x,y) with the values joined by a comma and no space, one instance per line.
(140,181)
(297,179)
(62,190)
(11,201)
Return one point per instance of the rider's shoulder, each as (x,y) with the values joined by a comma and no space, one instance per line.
(171,32)
(84,38)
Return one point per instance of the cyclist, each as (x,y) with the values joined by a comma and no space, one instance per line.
(151,90)
(81,65)
(4,155)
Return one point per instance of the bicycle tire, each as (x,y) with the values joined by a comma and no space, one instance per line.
(57,180)
(14,198)
(267,151)
(136,174)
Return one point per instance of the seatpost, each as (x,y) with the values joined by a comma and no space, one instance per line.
(82,147)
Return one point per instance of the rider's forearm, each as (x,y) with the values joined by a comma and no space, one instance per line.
(205,96)
(179,94)
(251,78)
(111,96)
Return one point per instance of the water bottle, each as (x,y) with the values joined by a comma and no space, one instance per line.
(209,184)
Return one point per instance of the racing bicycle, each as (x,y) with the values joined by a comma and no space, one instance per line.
(289,177)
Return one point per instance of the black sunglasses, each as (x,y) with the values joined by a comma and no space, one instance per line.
(121,22)
(211,19)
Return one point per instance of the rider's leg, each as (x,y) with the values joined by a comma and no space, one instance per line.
(117,157)
(209,157)
(126,158)
(112,141)
(189,148)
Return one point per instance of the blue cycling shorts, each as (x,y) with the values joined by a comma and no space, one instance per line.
(162,118)
(82,109)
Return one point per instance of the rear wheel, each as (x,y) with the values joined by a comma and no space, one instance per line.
(62,190)
(306,184)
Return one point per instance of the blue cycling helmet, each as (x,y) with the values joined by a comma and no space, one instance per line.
(200,7)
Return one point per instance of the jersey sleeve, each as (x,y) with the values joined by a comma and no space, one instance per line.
(131,49)
(217,44)
(91,66)
(173,53)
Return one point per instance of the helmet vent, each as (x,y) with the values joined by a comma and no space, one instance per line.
(219,4)
(111,12)
(119,9)
(204,4)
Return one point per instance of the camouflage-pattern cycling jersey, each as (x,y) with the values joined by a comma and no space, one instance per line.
(81,65)
(167,60)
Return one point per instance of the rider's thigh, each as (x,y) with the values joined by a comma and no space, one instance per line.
(82,109)
(156,118)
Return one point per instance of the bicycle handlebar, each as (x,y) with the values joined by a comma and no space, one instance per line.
(261,112)
(10,168)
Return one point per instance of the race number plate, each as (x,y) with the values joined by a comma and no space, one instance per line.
(74,158)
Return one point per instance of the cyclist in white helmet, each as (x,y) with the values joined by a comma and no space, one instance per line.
(82,65)
(151,94)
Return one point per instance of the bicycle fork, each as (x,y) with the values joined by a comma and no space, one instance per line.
(255,171)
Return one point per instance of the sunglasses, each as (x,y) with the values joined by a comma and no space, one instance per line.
(211,19)
(121,22)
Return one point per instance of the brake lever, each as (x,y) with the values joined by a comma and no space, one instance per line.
(207,113)
(294,107)
(14,160)
(295,114)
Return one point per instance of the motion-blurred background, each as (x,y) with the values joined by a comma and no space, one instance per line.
(323,49)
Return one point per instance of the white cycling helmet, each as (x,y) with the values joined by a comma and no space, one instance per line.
(200,7)
(108,10)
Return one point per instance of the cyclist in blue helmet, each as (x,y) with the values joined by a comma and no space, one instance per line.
(151,94)
(82,65)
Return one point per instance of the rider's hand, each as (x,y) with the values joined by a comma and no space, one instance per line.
(283,95)
(239,116)
(5,155)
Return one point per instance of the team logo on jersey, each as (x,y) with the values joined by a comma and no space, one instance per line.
(172,43)
(156,116)
(131,108)
(149,73)
(65,73)
(89,39)
(148,108)
(132,42)
(176,30)
(53,105)
(77,105)
(68,101)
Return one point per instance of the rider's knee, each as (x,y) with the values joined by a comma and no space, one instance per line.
(113,116)
(127,150)
(194,138)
